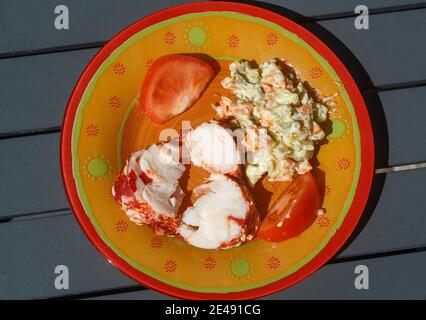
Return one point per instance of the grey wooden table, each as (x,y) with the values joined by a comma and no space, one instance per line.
(39,66)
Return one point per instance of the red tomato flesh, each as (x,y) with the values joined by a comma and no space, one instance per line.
(294,211)
(173,84)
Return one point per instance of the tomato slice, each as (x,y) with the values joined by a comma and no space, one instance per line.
(173,84)
(294,211)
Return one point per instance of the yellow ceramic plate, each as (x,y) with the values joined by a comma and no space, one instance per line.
(103,125)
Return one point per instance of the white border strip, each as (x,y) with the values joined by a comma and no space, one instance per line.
(402,168)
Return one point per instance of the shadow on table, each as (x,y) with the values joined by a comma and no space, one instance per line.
(371,98)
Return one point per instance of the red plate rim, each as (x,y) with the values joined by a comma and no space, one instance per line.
(366,141)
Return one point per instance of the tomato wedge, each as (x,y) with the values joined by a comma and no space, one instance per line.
(173,84)
(294,211)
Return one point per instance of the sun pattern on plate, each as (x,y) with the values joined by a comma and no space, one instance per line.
(149,63)
(114,102)
(121,226)
(170,266)
(233,41)
(97,167)
(339,128)
(197,36)
(271,39)
(119,69)
(170,37)
(324,222)
(327,191)
(92,130)
(273,262)
(315,73)
(343,163)
(240,267)
(209,263)
(156,242)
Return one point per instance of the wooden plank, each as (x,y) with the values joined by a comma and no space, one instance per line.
(404,111)
(91,21)
(31,179)
(394,277)
(392,50)
(35,247)
(39,92)
(99,20)
(398,220)
(330,8)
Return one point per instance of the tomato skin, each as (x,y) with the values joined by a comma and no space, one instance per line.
(173,84)
(293,212)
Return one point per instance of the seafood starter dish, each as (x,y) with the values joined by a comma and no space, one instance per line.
(268,127)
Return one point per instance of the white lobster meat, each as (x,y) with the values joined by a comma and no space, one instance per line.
(148,188)
(223,215)
(213,148)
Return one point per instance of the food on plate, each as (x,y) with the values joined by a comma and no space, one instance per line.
(294,211)
(148,187)
(212,147)
(173,84)
(279,116)
(223,216)
(273,98)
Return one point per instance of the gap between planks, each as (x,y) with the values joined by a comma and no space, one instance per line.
(376,11)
